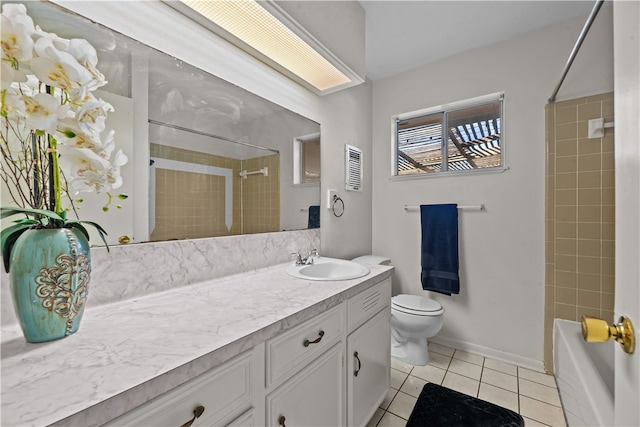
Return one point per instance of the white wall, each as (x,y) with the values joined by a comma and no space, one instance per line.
(347,120)
(499,311)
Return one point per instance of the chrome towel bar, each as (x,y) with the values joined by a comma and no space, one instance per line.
(467,208)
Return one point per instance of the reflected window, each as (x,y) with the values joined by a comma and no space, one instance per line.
(460,137)
(306,159)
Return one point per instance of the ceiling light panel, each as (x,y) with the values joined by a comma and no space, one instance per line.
(252,24)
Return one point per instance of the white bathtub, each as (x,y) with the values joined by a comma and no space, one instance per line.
(584,373)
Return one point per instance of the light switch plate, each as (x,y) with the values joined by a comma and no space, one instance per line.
(330,195)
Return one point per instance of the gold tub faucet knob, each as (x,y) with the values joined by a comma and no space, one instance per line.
(598,330)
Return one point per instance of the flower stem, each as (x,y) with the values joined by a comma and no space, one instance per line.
(54,174)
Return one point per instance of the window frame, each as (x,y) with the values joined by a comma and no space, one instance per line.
(299,163)
(447,108)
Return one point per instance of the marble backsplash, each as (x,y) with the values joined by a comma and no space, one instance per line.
(132,271)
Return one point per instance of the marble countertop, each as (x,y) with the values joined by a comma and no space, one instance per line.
(128,352)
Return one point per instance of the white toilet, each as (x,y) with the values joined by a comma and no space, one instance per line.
(414,318)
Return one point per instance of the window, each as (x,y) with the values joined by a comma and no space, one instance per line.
(459,137)
(306,159)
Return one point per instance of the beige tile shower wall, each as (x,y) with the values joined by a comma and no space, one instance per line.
(580,211)
(261,195)
(192,205)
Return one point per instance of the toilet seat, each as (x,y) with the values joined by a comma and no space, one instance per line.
(416,305)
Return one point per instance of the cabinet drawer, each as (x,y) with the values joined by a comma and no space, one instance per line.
(366,304)
(224,392)
(290,351)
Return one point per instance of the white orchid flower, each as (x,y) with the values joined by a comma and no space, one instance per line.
(92,115)
(57,68)
(46,88)
(113,173)
(43,112)
(70,134)
(84,170)
(59,42)
(13,105)
(8,74)
(17,29)
(28,87)
(87,56)
(108,145)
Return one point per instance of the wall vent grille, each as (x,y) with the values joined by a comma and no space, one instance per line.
(353,170)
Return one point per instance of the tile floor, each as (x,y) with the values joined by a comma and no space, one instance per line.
(530,393)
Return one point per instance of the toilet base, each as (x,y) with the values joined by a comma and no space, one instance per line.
(413,351)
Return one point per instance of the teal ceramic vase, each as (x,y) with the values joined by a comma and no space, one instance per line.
(50,271)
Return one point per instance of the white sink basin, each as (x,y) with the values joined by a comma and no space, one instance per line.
(328,269)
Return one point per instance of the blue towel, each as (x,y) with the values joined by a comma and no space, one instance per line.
(314,217)
(440,248)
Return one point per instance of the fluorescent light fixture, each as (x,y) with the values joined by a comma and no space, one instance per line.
(257,30)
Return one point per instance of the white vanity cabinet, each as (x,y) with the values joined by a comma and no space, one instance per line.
(322,390)
(368,352)
(330,370)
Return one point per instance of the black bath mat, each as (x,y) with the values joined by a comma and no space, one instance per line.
(439,406)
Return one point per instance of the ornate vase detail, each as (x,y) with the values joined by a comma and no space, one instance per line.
(50,272)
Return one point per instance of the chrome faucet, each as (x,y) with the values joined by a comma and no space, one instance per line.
(308,260)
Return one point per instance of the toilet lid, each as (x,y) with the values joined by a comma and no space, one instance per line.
(415,303)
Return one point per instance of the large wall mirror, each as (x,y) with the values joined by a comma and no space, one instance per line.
(211,158)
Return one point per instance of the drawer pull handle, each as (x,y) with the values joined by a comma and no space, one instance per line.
(355,373)
(281,420)
(316,341)
(196,414)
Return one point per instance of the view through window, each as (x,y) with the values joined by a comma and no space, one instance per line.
(456,139)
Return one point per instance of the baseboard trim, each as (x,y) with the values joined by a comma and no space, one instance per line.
(514,359)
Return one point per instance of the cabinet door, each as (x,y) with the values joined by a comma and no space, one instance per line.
(313,397)
(368,368)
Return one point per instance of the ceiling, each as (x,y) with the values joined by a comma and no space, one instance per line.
(403,35)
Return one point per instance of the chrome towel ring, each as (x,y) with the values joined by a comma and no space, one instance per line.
(337,207)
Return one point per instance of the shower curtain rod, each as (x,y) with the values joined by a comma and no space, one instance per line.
(155,122)
(576,48)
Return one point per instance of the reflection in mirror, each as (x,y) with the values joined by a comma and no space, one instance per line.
(306,155)
(211,158)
